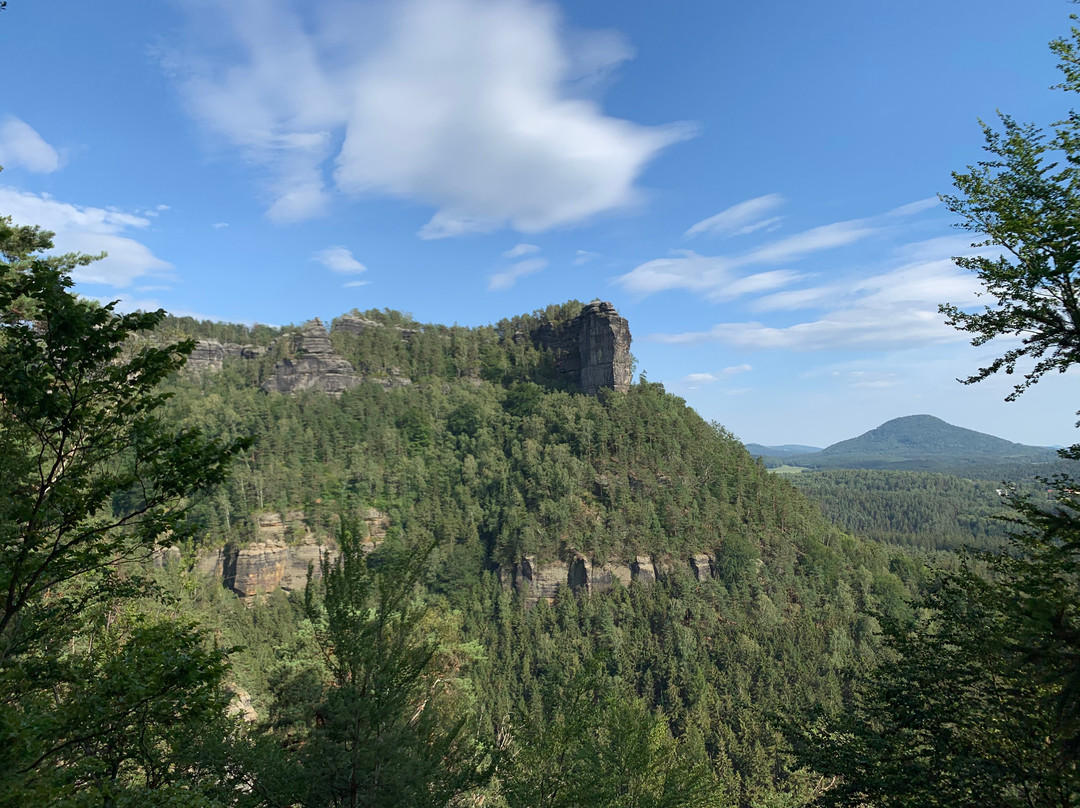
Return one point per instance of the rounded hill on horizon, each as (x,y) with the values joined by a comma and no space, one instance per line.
(919,442)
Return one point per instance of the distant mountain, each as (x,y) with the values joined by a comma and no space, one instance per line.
(781,451)
(916,442)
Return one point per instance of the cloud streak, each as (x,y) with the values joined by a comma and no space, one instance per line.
(339,259)
(716,277)
(741,219)
(888,311)
(501,281)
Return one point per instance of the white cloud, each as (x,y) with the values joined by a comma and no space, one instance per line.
(339,259)
(700,378)
(88,230)
(711,276)
(22,146)
(219,225)
(353,284)
(715,276)
(696,380)
(912,208)
(740,219)
(521,249)
(891,310)
(504,280)
(471,107)
(582,257)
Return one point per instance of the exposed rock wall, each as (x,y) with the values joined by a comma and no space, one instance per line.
(280,555)
(210,355)
(315,366)
(353,324)
(592,350)
(254,569)
(536,581)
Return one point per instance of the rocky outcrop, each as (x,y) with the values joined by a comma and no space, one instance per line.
(165,556)
(254,569)
(605,576)
(592,351)
(240,704)
(315,366)
(283,549)
(701,566)
(536,581)
(642,570)
(355,324)
(210,355)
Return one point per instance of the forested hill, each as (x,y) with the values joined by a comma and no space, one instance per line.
(476,440)
(917,443)
(473,435)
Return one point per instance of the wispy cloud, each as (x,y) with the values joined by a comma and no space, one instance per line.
(697,380)
(582,257)
(519,250)
(501,281)
(219,225)
(712,276)
(90,230)
(339,259)
(745,217)
(22,147)
(471,107)
(716,277)
(891,310)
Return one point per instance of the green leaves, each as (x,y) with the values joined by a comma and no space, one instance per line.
(1023,202)
(94,699)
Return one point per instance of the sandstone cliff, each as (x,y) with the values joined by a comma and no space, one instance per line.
(536,581)
(592,350)
(210,355)
(280,555)
(315,366)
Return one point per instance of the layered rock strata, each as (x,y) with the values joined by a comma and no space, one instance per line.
(536,581)
(280,555)
(314,367)
(592,351)
(210,355)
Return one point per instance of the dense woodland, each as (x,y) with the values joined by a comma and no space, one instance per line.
(481,459)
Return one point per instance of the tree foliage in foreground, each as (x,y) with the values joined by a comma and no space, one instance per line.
(982,703)
(99,703)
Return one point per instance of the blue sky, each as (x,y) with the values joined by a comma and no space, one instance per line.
(752,184)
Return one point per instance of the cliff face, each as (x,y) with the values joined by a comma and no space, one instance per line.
(278,558)
(536,581)
(210,355)
(316,366)
(592,350)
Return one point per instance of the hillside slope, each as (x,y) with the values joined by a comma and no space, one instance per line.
(471,439)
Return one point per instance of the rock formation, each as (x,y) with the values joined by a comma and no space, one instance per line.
(210,355)
(592,350)
(354,324)
(280,555)
(701,566)
(254,569)
(315,366)
(536,581)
